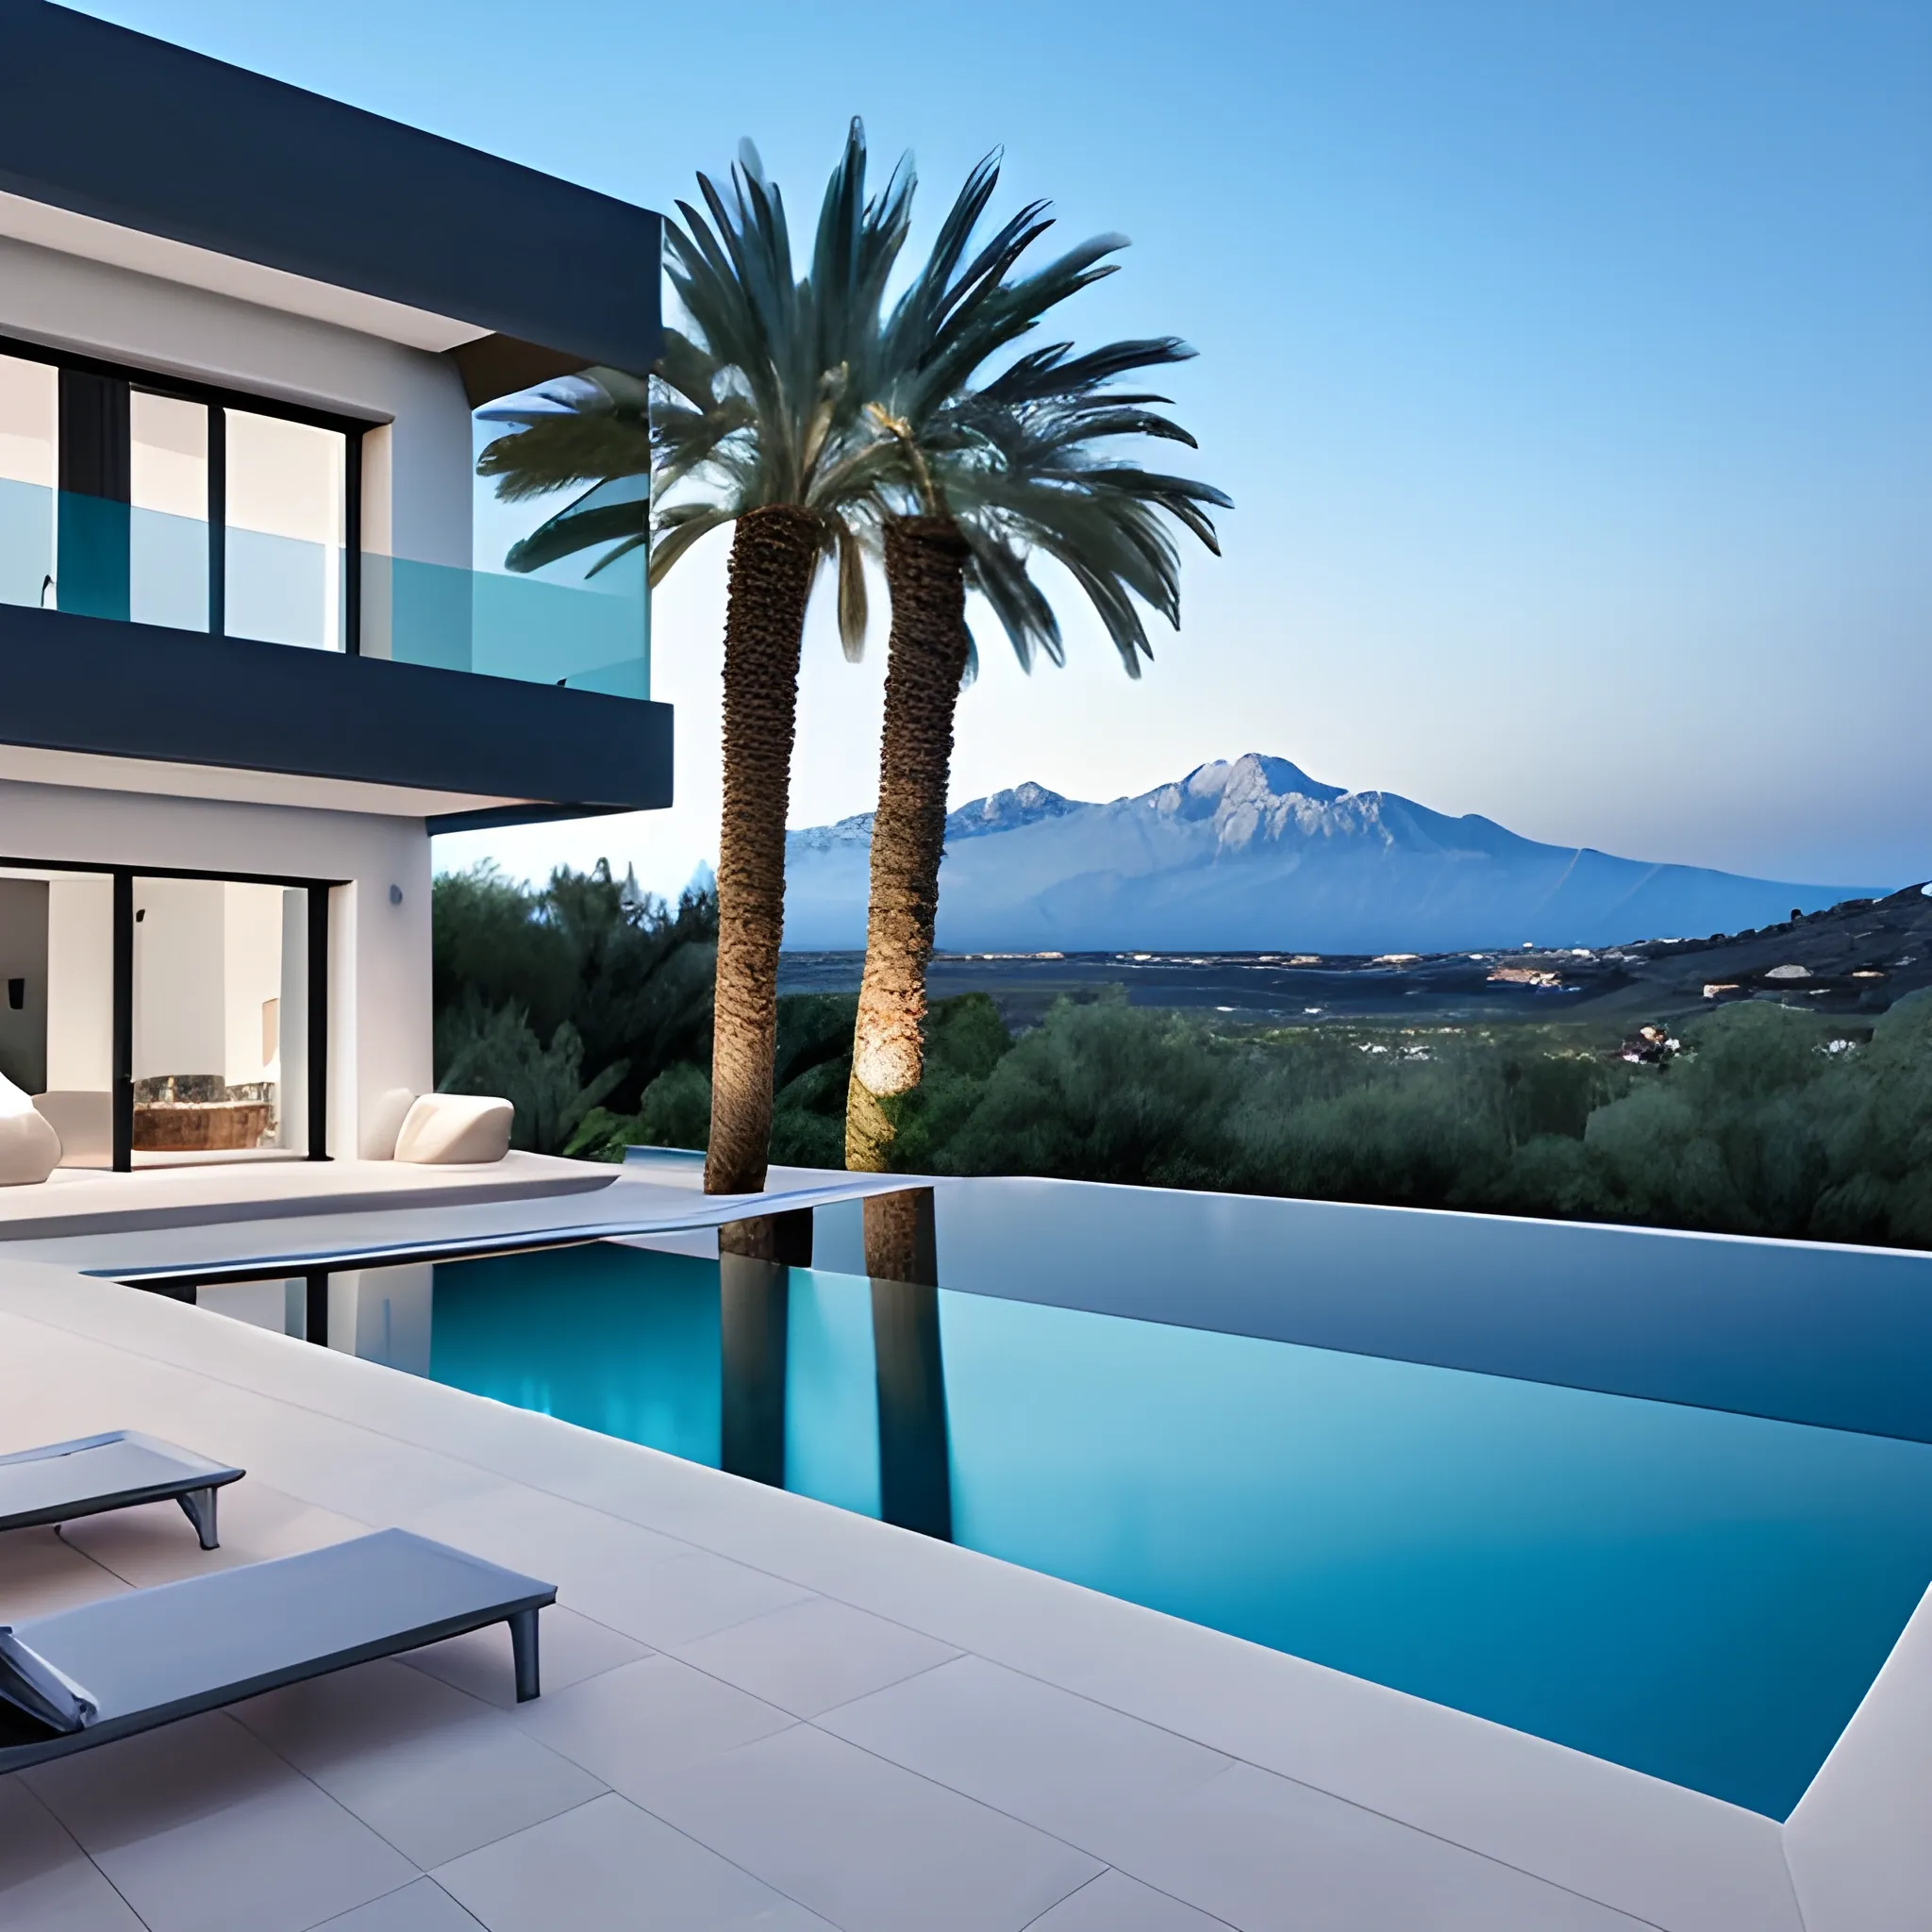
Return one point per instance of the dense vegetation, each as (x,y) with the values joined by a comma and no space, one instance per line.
(1770,1121)
(532,987)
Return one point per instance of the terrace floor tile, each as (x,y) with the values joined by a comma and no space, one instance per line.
(684,1597)
(572,1649)
(652,1587)
(423,1907)
(42,1573)
(201,1828)
(46,1880)
(640,1727)
(1072,1767)
(155,1542)
(1115,1903)
(608,1867)
(1272,1856)
(810,1656)
(866,1845)
(432,1770)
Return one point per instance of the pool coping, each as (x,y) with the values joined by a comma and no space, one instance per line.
(1851,1854)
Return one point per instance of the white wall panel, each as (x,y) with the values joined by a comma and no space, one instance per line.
(80,980)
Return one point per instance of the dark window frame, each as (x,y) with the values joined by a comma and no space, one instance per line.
(121,995)
(218,399)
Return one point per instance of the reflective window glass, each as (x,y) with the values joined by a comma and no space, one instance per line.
(168,554)
(221,999)
(28,454)
(286,496)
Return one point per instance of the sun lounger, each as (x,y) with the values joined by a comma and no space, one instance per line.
(135,1662)
(63,1480)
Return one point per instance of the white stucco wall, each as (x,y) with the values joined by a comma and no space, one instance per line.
(419,495)
(379,1019)
(81,985)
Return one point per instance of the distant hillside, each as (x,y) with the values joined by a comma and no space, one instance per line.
(1254,855)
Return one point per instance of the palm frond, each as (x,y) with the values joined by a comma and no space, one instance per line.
(809,388)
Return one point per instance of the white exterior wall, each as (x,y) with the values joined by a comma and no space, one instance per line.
(80,982)
(419,493)
(379,1019)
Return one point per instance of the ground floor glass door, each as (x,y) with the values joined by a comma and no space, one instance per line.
(155,1019)
(220,1010)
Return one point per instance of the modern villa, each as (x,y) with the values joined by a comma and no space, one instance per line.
(1176,1562)
(257,643)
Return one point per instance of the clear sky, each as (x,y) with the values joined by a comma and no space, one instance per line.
(1569,365)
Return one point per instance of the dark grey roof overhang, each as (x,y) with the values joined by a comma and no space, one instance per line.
(127,130)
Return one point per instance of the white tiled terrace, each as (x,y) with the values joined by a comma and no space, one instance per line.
(761,1711)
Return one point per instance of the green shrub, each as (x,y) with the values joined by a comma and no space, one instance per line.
(1879,1137)
(633,984)
(1101,1092)
(1772,1121)
(495,1051)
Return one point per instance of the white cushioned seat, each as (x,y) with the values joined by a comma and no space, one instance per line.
(384,1123)
(85,1123)
(29,1147)
(447,1129)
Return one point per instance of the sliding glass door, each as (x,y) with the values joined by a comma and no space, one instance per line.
(155,1019)
(220,1007)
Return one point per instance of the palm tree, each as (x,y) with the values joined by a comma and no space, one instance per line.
(753,418)
(985,477)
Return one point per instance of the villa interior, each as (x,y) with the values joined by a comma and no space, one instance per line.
(211,987)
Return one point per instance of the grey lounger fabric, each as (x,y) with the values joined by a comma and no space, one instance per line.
(62,1480)
(147,1657)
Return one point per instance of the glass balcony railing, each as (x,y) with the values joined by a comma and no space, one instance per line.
(59,551)
(591,636)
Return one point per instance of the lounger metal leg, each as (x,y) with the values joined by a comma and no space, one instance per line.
(198,1506)
(522,1644)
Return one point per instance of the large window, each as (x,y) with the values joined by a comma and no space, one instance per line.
(219,1011)
(157,1018)
(29,459)
(128,496)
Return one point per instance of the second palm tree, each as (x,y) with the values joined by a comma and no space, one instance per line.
(987,476)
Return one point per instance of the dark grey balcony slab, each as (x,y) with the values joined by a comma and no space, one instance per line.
(134,691)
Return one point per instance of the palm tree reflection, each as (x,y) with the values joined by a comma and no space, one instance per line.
(915,1485)
(753,1301)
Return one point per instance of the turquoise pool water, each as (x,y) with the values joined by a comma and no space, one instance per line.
(1702,1595)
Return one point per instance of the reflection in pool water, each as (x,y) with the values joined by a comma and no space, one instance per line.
(1698,1594)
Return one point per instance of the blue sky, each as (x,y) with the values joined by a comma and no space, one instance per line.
(1569,365)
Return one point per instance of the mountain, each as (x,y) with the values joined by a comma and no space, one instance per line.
(1256,855)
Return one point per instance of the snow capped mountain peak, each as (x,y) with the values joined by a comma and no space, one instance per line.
(1252,854)
(1022,804)
(1252,781)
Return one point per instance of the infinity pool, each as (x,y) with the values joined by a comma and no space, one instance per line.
(1701,1595)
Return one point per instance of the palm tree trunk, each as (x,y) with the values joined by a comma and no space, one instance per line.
(926,572)
(774,556)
